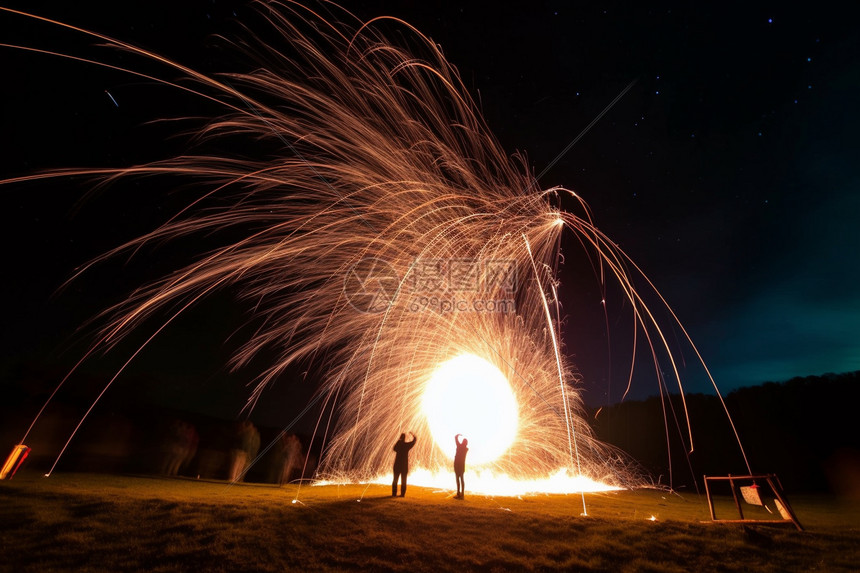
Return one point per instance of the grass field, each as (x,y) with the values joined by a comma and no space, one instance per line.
(83,522)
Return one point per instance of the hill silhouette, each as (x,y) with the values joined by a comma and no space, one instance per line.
(804,430)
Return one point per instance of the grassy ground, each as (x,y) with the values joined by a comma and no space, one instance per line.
(79,522)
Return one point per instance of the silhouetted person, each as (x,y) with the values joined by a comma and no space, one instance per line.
(401,463)
(460,464)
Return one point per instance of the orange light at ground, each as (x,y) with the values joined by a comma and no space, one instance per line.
(488,483)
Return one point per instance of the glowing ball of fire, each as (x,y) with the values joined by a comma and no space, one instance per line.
(467,395)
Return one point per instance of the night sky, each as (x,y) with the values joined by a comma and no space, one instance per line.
(728,172)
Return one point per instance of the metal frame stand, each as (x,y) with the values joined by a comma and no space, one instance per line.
(772,481)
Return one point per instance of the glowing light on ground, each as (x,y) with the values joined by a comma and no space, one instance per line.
(469,396)
(490,483)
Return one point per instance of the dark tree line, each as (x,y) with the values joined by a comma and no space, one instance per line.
(150,439)
(125,435)
(804,430)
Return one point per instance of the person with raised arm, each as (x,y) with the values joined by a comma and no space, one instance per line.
(460,464)
(401,463)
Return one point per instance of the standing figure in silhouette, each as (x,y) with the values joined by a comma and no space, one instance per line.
(460,464)
(401,463)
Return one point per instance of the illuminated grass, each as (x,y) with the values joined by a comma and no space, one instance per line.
(89,523)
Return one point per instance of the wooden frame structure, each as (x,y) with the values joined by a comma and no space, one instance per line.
(771,480)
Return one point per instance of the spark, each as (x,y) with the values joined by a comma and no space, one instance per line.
(389,237)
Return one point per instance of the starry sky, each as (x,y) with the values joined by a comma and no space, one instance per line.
(728,171)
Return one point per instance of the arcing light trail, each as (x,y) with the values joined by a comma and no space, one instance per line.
(385,235)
